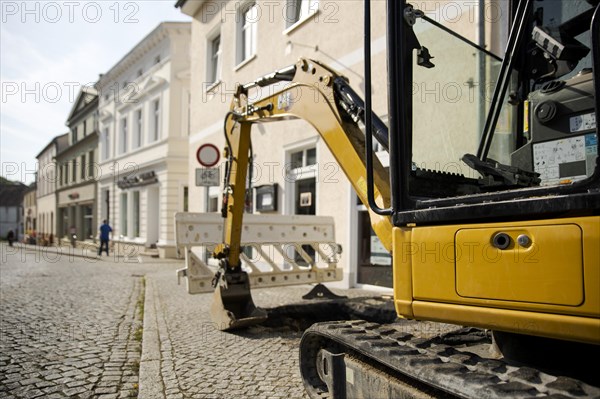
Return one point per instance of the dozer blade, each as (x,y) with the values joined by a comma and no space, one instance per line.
(232,305)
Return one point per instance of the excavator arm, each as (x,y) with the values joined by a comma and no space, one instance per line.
(321,97)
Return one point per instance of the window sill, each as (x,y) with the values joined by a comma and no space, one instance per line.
(244,63)
(300,22)
(213,86)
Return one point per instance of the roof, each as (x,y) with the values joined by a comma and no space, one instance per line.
(87,95)
(31,187)
(11,194)
(62,142)
(75,148)
(55,141)
(189,7)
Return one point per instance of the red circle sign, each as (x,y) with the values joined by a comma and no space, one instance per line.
(208,155)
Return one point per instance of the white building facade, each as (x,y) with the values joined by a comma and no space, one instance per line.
(143,140)
(47,178)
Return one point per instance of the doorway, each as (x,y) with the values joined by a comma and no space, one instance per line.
(305,193)
(374,261)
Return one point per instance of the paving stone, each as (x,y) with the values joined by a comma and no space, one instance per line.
(34,393)
(74,391)
(105,390)
(52,377)
(53,389)
(44,384)
(76,384)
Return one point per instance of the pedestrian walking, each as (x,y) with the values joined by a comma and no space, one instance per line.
(105,230)
(73,235)
(10,237)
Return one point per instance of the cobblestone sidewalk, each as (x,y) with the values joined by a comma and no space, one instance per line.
(68,327)
(185,356)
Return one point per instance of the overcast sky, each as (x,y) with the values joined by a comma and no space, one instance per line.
(48,50)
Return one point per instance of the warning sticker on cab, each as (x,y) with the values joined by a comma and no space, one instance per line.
(580,123)
(565,160)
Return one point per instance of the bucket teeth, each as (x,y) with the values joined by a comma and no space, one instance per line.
(232,305)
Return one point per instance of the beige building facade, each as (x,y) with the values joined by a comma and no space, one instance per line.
(143,141)
(77,163)
(239,41)
(30,213)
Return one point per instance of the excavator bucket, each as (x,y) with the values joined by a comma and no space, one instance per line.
(232,306)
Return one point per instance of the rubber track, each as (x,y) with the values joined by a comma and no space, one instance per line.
(434,362)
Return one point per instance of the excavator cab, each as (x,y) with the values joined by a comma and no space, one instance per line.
(494,160)
(516,125)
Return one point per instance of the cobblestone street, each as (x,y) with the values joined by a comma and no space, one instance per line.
(71,327)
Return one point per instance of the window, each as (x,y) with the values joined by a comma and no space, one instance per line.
(137,138)
(123,142)
(186,195)
(123,212)
(84,128)
(301,163)
(91,169)
(155,120)
(63,175)
(74,136)
(136,214)
(247,30)
(214,59)
(74,171)
(88,218)
(105,204)
(213,204)
(189,113)
(297,10)
(105,144)
(302,158)
(83,166)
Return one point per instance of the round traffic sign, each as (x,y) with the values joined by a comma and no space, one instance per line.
(208,155)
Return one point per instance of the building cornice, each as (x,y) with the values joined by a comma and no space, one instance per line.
(147,44)
(91,181)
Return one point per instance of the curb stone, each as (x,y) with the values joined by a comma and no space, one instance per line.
(150,378)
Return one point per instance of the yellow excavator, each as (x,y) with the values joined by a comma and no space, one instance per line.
(509,246)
